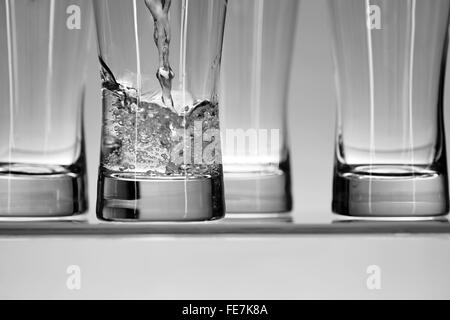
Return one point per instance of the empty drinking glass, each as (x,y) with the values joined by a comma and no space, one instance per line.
(390,146)
(43,47)
(258,45)
(160,155)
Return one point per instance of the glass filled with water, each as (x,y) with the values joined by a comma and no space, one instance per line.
(43,47)
(390,69)
(258,45)
(161,150)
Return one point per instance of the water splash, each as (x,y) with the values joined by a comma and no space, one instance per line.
(144,138)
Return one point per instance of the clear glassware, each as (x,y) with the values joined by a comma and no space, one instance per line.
(43,45)
(258,45)
(161,153)
(390,145)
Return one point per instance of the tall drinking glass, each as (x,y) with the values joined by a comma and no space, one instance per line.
(390,146)
(43,45)
(161,154)
(258,46)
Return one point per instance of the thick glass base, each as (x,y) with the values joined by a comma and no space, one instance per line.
(396,193)
(146,199)
(40,192)
(258,193)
